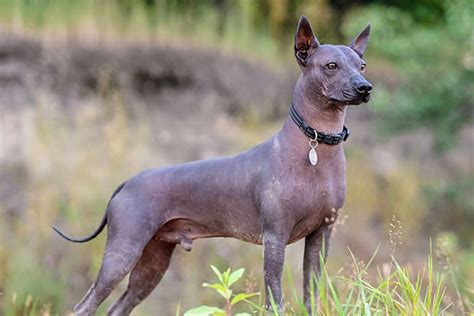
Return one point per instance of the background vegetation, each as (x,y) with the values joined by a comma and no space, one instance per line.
(93,91)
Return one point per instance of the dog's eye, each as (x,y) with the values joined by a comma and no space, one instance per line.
(362,67)
(331,66)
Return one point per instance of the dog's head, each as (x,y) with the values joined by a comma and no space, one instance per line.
(333,72)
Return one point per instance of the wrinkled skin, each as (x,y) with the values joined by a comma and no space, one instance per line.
(269,195)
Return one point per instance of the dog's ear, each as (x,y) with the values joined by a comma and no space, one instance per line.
(305,41)
(360,42)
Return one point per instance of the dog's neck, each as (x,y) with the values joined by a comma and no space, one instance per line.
(319,114)
(315,109)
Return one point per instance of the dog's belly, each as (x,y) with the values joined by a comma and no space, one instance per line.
(223,213)
(183,231)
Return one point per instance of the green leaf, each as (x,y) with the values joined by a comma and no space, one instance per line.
(221,289)
(214,286)
(203,311)
(242,314)
(235,276)
(218,273)
(241,297)
(225,276)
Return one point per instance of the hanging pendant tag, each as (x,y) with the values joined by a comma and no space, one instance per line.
(313,155)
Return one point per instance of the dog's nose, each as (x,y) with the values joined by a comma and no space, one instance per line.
(363,87)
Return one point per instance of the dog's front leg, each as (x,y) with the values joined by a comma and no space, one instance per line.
(313,250)
(274,257)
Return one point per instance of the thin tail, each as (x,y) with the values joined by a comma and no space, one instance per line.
(88,238)
(98,229)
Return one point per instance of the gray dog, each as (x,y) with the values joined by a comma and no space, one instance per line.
(281,191)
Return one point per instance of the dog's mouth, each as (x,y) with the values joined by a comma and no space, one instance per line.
(350,99)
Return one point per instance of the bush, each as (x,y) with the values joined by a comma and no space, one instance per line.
(435,65)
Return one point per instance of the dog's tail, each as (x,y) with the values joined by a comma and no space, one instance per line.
(98,229)
(88,238)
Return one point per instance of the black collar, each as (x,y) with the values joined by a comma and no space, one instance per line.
(330,139)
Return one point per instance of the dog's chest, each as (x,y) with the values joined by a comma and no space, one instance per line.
(318,202)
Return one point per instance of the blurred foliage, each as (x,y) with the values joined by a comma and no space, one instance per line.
(452,202)
(413,35)
(422,11)
(435,65)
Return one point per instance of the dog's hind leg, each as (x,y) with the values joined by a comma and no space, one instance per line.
(115,265)
(145,276)
(126,240)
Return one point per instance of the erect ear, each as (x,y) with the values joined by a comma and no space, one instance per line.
(305,41)
(360,42)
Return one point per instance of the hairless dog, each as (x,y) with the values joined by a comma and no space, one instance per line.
(281,191)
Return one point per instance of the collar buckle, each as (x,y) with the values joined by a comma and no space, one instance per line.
(308,131)
(346,132)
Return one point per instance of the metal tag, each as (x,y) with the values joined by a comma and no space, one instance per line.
(313,156)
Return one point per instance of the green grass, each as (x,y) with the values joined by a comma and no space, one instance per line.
(391,289)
